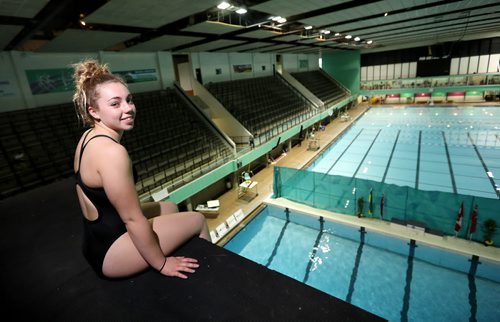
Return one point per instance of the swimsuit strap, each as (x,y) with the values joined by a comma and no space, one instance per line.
(84,144)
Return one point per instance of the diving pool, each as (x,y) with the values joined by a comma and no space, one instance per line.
(397,279)
(451,149)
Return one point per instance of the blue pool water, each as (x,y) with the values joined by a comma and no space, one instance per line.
(451,149)
(390,277)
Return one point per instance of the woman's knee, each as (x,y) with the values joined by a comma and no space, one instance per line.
(198,217)
(168,207)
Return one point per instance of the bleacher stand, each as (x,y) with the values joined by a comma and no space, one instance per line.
(169,145)
(322,86)
(265,106)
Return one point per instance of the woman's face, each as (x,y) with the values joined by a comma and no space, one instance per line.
(116,109)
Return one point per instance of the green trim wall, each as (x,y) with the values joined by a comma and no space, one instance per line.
(345,68)
(195,186)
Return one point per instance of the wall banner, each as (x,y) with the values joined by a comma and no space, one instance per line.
(55,80)
(247,68)
(138,75)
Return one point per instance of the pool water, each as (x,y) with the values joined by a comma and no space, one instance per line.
(451,149)
(400,280)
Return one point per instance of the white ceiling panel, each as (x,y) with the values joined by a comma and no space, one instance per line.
(290,37)
(213,27)
(260,34)
(286,8)
(214,45)
(246,47)
(8,33)
(74,40)
(163,43)
(21,8)
(178,24)
(147,14)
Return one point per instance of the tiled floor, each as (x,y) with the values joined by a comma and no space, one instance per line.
(300,156)
(297,157)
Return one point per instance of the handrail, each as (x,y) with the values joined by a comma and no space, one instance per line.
(285,82)
(204,117)
(339,84)
(465,80)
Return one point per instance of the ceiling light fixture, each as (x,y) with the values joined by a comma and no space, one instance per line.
(326,32)
(386,14)
(357,39)
(223,5)
(82,23)
(281,20)
(308,27)
(348,37)
(369,42)
(241,11)
(337,34)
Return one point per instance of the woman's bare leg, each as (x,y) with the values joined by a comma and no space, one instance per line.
(123,258)
(154,209)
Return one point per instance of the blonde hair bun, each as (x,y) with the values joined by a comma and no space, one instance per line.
(88,74)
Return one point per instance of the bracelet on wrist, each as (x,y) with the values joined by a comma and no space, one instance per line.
(162,266)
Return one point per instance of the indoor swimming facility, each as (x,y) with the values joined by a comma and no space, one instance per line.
(451,149)
(394,277)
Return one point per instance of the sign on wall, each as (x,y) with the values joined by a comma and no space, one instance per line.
(6,88)
(54,80)
(138,75)
(247,68)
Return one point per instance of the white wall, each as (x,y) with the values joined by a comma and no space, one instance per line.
(458,66)
(293,63)
(10,91)
(209,63)
(16,93)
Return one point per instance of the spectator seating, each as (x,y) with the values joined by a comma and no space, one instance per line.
(322,86)
(169,146)
(266,106)
(37,146)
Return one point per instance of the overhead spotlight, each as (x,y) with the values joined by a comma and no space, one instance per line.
(241,11)
(308,27)
(369,42)
(276,18)
(281,20)
(83,23)
(326,32)
(357,39)
(348,37)
(386,14)
(223,5)
(337,34)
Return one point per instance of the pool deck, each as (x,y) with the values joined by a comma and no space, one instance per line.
(298,157)
(450,243)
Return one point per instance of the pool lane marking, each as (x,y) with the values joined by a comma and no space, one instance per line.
(278,242)
(355,268)
(314,250)
(474,261)
(390,157)
(418,158)
(484,165)
(340,156)
(452,175)
(364,157)
(409,277)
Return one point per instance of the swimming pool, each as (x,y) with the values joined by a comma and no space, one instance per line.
(400,280)
(450,149)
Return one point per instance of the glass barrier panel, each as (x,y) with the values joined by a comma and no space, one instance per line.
(435,210)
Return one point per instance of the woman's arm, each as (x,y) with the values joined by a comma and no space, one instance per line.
(115,170)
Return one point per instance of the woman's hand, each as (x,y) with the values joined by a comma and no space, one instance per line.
(176,265)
